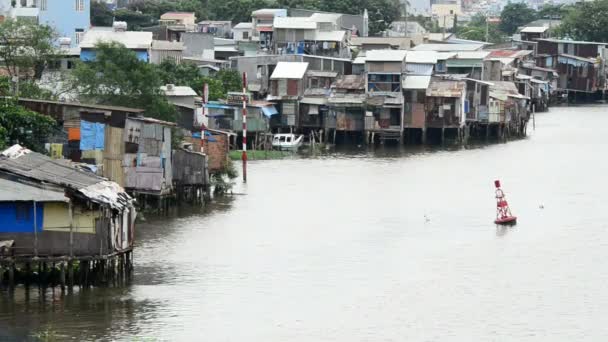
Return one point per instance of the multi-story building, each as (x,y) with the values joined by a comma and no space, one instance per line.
(69,18)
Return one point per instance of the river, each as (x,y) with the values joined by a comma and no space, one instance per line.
(370,246)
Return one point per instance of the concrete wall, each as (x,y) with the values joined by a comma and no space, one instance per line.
(196,43)
(65,19)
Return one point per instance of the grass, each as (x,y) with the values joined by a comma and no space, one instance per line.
(260,155)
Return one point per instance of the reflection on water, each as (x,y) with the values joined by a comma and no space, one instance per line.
(360,245)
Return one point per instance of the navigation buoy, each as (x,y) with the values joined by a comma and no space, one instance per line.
(503,212)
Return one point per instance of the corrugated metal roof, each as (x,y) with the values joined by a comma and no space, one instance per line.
(172,90)
(472,54)
(130,39)
(325,17)
(177,15)
(41,168)
(350,82)
(330,36)
(551,40)
(290,70)
(445,88)
(540,29)
(359,60)
(448,47)
(268,11)
(385,55)
(294,23)
(16,190)
(439,37)
(338,98)
(243,26)
(422,57)
(86,105)
(416,82)
(152,121)
(442,56)
(314,100)
(320,73)
(502,90)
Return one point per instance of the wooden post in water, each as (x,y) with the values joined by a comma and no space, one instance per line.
(62,274)
(11,273)
(35,232)
(244,155)
(533,117)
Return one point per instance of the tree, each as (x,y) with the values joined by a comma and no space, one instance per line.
(231,80)
(550,11)
(515,15)
(184,74)
(586,21)
(117,77)
(187,75)
(101,15)
(476,30)
(22,126)
(26,46)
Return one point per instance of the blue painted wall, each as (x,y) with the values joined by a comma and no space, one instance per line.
(90,54)
(63,17)
(10,223)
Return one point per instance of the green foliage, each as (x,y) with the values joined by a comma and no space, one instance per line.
(184,74)
(22,126)
(187,75)
(101,15)
(26,46)
(30,90)
(117,77)
(135,20)
(550,11)
(216,88)
(476,30)
(515,15)
(143,13)
(231,80)
(586,21)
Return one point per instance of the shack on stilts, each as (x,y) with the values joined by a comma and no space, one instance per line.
(61,225)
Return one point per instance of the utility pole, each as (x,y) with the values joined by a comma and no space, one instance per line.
(487,30)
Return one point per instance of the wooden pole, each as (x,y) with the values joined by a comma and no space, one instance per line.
(35,232)
(71,215)
(244,155)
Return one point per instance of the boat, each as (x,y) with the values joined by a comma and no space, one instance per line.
(506,221)
(288,142)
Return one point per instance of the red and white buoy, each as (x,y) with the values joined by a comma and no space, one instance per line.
(503,212)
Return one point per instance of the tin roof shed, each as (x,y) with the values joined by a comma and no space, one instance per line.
(289,70)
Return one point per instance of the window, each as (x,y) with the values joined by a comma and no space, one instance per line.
(79,35)
(43,5)
(384,82)
(79,4)
(245,35)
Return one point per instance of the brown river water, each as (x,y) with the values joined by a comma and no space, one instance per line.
(391,245)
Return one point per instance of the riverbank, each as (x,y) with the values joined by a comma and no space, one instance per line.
(414,245)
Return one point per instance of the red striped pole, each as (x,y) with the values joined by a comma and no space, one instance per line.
(244,156)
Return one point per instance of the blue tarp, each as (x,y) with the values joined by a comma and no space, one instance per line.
(18,217)
(269,111)
(92,136)
(217,106)
(210,137)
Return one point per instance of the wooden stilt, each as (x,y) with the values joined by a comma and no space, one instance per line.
(62,275)
(70,273)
